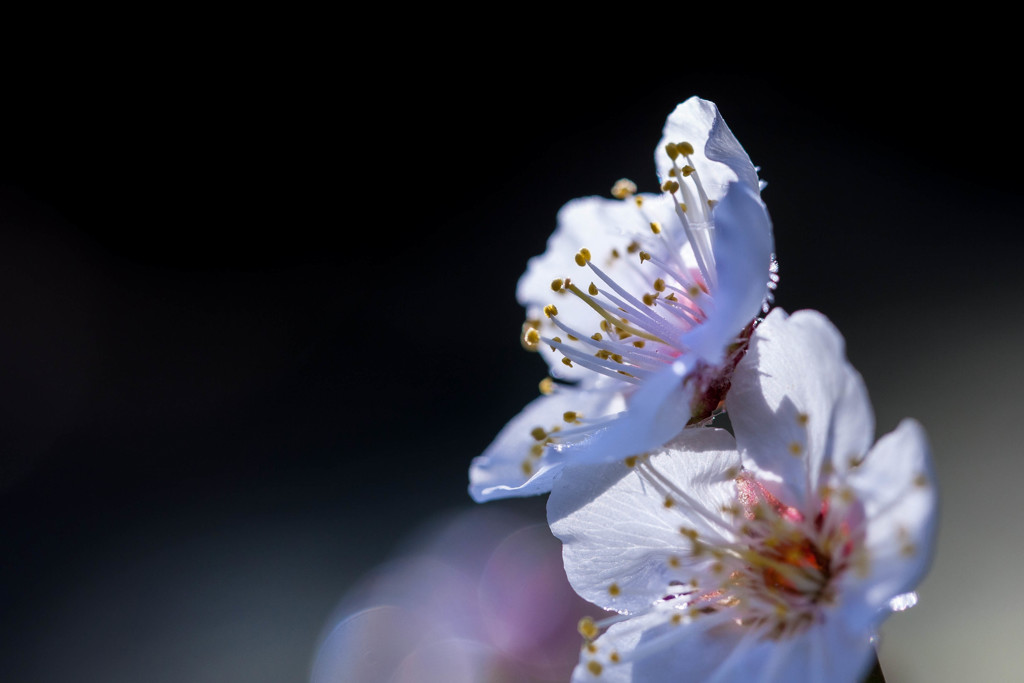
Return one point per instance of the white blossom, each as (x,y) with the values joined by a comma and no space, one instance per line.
(771,556)
(641,305)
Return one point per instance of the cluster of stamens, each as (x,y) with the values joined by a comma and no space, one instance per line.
(764,566)
(638,333)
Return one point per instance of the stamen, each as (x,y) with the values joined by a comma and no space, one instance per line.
(698,252)
(636,308)
(609,317)
(623,188)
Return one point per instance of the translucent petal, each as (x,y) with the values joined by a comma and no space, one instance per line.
(798,407)
(743,246)
(896,485)
(499,472)
(616,528)
(718,155)
(655,413)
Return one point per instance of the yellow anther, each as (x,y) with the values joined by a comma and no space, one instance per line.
(687,170)
(685,148)
(644,256)
(908,549)
(677,619)
(547,386)
(632,247)
(672,150)
(627,374)
(670,186)
(591,648)
(582,256)
(538,433)
(802,418)
(921,481)
(639,343)
(537,450)
(631,461)
(693,291)
(570,416)
(617,357)
(732,472)
(712,203)
(594,667)
(639,200)
(614,656)
(557,283)
(587,628)
(689,533)
(659,285)
(649,299)
(656,227)
(531,338)
(682,206)
(673,561)
(672,297)
(527,467)
(596,336)
(550,310)
(572,338)
(623,188)
(615,253)
(795,448)
(672,173)
(567,362)
(592,289)
(669,502)
(614,590)
(603,354)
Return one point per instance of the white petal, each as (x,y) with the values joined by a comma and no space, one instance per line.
(718,156)
(652,649)
(896,485)
(796,404)
(616,528)
(498,472)
(656,412)
(743,248)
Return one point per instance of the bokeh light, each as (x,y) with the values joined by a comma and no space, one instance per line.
(475,596)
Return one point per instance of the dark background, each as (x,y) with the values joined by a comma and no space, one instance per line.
(257,304)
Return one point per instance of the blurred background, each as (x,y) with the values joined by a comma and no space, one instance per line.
(257,315)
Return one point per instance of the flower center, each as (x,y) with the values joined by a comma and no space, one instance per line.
(782,568)
(770,568)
